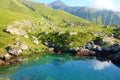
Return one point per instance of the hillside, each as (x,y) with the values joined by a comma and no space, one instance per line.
(37,10)
(28,28)
(18,13)
(105,17)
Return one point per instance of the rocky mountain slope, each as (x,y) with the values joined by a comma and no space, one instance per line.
(105,17)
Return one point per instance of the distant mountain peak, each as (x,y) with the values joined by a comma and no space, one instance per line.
(57,4)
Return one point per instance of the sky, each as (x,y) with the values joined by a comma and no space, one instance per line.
(98,4)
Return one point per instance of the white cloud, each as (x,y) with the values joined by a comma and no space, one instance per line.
(104,4)
(97,65)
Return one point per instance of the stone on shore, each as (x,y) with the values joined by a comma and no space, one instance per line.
(85,52)
(17,49)
(7,57)
(2,62)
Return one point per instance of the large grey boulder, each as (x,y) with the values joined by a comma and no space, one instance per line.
(90,45)
(17,48)
(7,57)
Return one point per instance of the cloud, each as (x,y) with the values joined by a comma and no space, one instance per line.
(97,65)
(104,4)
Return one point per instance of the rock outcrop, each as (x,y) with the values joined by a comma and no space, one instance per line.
(7,57)
(12,30)
(2,62)
(17,49)
(85,52)
(106,41)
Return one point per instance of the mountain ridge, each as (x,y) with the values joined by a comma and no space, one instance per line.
(105,17)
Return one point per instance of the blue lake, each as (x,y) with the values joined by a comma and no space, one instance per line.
(63,68)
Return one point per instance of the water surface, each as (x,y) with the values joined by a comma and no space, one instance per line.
(64,68)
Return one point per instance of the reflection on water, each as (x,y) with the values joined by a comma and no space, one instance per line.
(98,65)
(66,68)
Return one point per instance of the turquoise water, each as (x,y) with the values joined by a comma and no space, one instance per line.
(64,68)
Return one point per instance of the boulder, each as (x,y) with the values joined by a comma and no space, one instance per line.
(2,62)
(115,47)
(85,52)
(22,45)
(90,45)
(106,41)
(7,57)
(15,50)
(51,50)
(99,48)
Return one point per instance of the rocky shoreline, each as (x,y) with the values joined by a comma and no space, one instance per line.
(90,49)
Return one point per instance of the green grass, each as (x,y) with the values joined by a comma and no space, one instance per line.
(7,17)
(14,10)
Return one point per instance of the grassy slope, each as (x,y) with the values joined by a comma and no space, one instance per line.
(15,11)
(52,14)
(6,18)
(15,6)
(40,10)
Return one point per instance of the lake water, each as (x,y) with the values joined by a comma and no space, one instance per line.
(62,68)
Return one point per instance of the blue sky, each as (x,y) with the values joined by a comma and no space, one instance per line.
(99,4)
(68,2)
